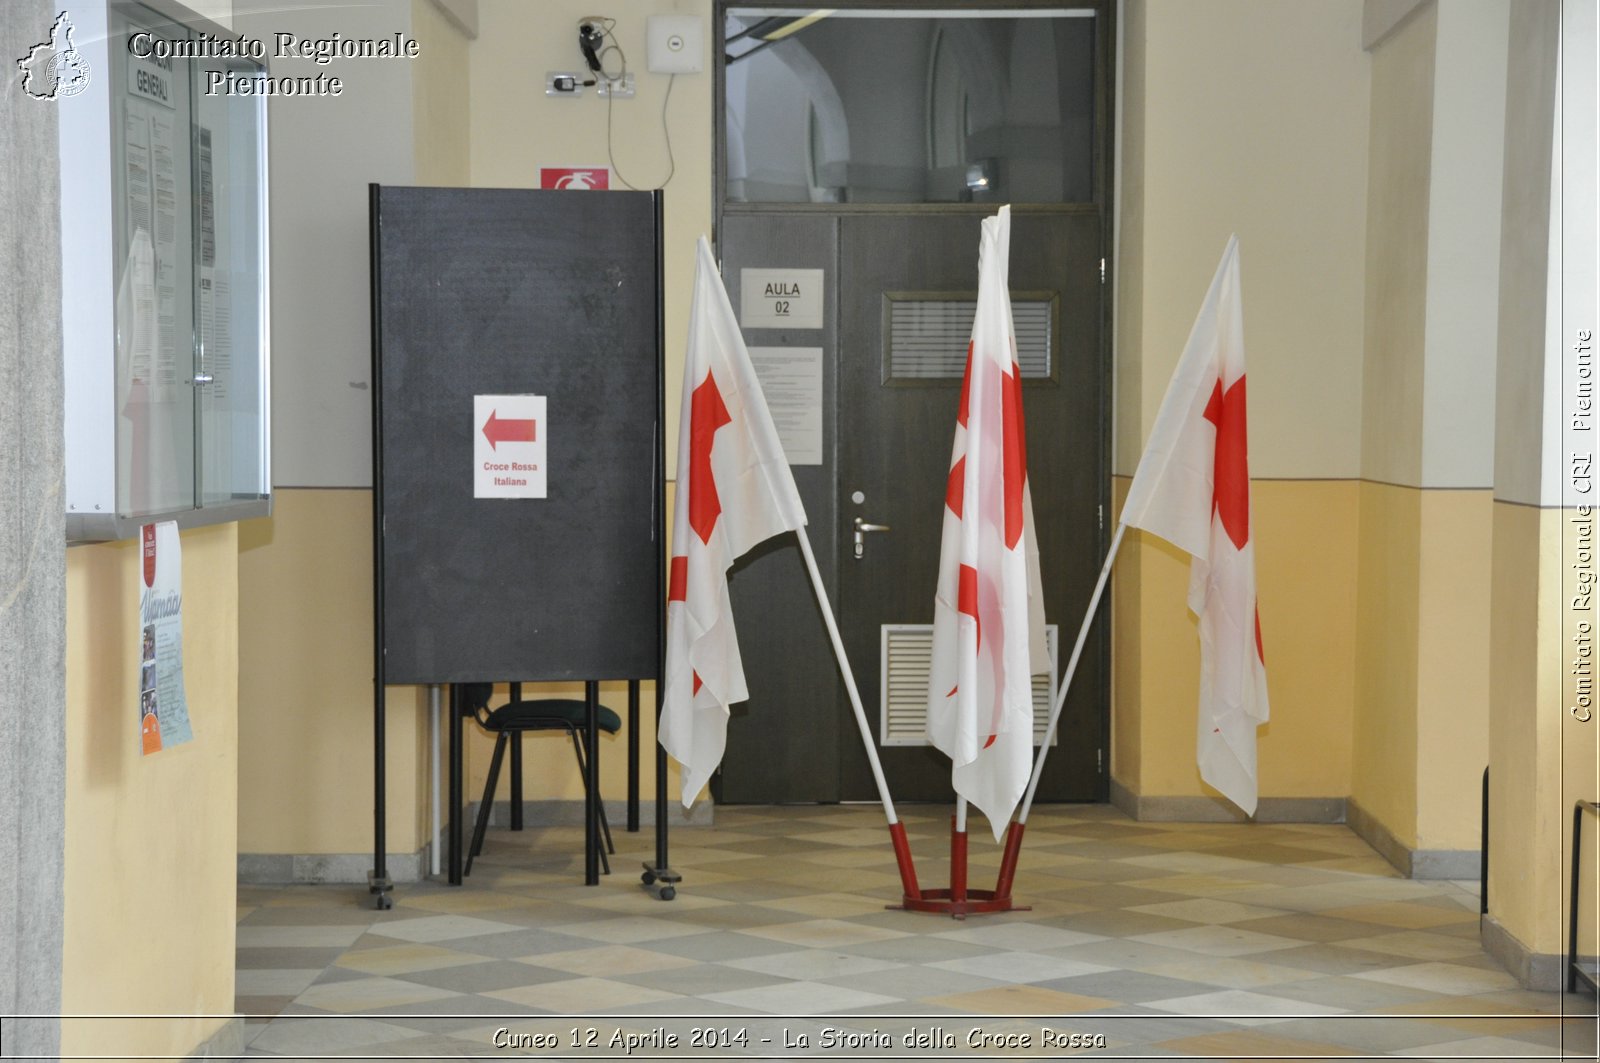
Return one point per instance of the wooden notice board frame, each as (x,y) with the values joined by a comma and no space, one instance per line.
(543,308)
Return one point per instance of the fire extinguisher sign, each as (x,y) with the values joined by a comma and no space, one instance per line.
(575,178)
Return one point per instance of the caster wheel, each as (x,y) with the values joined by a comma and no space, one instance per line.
(668,892)
(648,878)
(383,903)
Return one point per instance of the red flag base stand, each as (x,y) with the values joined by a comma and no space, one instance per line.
(958,901)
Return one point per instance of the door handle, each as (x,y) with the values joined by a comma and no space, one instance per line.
(862,527)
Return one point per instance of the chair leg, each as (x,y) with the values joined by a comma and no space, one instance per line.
(487,804)
(604,833)
(516,780)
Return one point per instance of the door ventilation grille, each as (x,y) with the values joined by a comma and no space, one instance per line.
(906,654)
(928,337)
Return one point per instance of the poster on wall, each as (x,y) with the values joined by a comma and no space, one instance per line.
(163,710)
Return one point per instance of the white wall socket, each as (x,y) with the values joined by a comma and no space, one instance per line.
(617,88)
(675,44)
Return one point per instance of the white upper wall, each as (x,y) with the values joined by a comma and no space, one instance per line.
(1400,153)
(325,150)
(1463,306)
(516,129)
(1433,243)
(1579,245)
(1252,119)
(1527,411)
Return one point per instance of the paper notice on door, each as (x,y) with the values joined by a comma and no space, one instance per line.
(791,380)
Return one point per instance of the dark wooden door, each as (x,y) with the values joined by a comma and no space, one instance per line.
(899,291)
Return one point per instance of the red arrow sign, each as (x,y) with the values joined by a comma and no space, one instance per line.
(499,430)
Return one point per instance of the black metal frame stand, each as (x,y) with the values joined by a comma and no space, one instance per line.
(660,873)
(633,756)
(378,881)
(1483,859)
(1575,969)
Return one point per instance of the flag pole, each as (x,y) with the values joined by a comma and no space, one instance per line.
(897,830)
(1008,862)
(958,857)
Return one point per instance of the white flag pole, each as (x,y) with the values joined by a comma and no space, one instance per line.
(849,676)
(1066,680)
(897,832)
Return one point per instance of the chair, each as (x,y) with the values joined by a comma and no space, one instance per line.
(508,723)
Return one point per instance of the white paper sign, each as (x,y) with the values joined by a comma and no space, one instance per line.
(508,446)
(780,298)
(791,380)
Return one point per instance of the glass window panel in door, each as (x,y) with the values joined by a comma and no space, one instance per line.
(909,106)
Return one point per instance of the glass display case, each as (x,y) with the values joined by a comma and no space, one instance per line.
(165,280)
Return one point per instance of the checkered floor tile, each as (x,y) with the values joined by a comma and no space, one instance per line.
(1143,940)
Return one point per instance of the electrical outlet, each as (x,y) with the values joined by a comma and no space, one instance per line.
(674,44)
(563,83)
(619,88)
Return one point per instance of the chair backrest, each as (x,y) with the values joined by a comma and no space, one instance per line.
(475,698)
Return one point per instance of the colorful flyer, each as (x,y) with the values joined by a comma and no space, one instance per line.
(163,710)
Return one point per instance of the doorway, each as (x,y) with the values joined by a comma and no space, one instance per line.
(859,151)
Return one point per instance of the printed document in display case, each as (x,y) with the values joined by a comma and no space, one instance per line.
(164,255)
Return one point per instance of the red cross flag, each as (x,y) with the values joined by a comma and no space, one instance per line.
(734,491)
(988,618)
(1192,488)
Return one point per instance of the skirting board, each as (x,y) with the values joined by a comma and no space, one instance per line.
(1461,864)
(1542,971)
(278,869)
(570,814)
(226,1043)
(351,868)
(1202,809)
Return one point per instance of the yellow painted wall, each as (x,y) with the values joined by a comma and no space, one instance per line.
(1384,770)
(1227,128)
(150,841)
(305,783)
(1127,653)
(1528,812)
(1421,663)
(1453,650)
(1305,534)
(1421,712)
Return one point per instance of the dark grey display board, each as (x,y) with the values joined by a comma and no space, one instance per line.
(507,292)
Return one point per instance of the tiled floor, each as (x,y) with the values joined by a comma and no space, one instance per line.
(1162,940)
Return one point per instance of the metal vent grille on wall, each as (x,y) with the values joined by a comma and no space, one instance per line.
(927,337)
(905,653)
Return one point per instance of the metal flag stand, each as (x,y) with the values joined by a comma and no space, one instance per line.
(959,900)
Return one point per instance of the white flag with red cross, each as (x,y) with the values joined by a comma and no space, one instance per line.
(988,621)
(1192,488)
(734,490)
